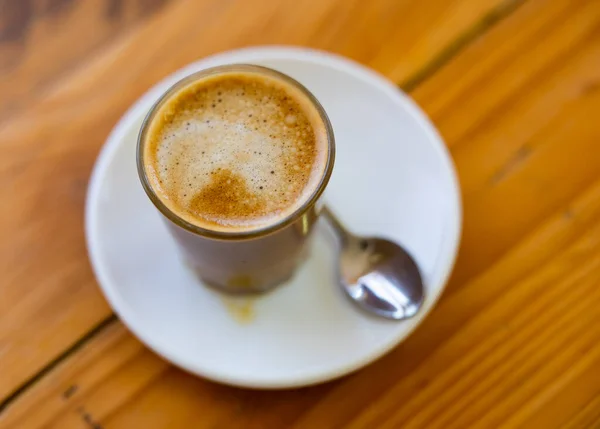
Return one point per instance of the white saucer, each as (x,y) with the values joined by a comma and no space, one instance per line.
(393,177)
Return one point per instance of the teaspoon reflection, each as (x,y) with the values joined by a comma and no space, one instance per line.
(377,274)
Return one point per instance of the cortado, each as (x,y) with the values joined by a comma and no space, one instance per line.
(235,151)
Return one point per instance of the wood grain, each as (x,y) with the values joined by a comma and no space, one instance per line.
(48,295)
(546,83)
(514,342)
(40,41)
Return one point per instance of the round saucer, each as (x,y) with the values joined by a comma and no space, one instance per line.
(393,177)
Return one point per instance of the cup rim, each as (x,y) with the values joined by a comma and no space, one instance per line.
(234,235)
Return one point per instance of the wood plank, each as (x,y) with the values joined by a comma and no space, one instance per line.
(588,417)
(534,81)
(131,369)
(41,41)
(48,295)
(516,342)
(576,401)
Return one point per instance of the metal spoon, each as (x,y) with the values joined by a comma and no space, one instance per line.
(377,274)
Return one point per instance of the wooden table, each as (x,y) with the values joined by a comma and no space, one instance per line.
(514,87)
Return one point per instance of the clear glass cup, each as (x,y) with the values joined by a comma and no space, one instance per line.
(242,261)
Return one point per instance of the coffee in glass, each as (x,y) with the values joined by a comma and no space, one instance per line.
(236,157)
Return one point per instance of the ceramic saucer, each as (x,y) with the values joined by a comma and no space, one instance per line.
(393,177)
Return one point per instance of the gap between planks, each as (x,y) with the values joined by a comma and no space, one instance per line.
(463,40)
(108,321)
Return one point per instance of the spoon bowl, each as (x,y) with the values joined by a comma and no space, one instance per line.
(377,274)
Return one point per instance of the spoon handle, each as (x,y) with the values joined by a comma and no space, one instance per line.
(342,234)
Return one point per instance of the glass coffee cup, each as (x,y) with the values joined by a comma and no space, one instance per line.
(236,159)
